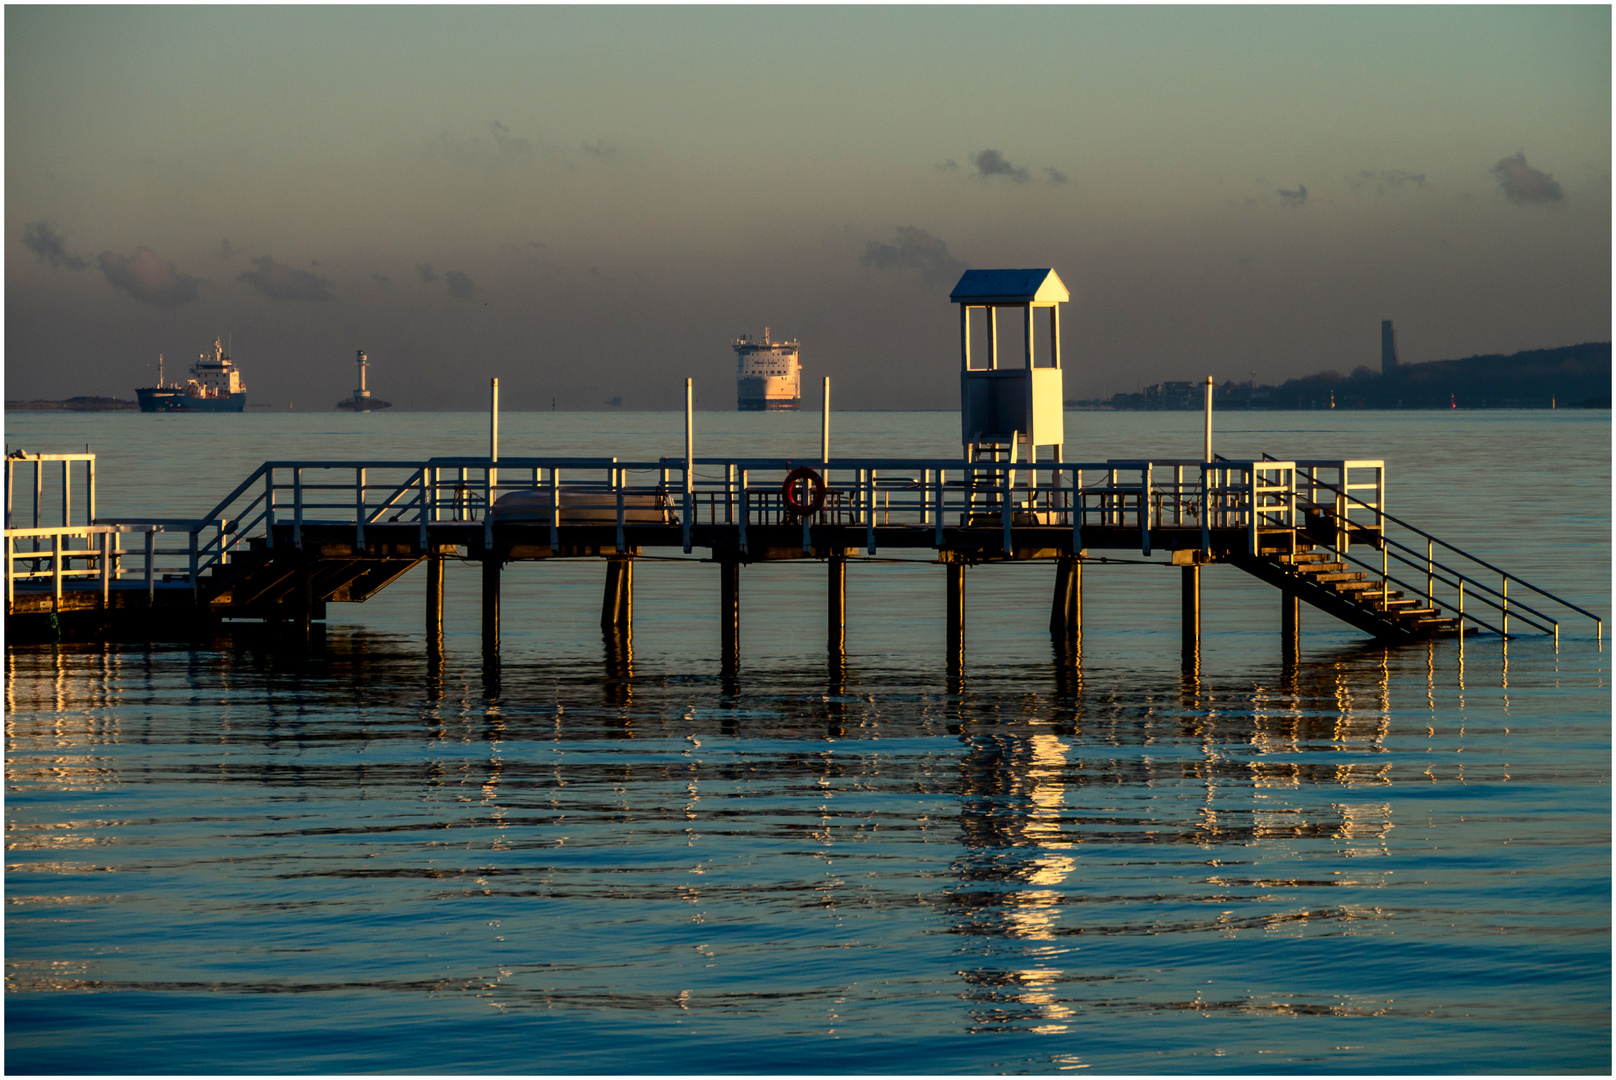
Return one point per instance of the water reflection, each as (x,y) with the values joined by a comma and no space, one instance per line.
(1056,822)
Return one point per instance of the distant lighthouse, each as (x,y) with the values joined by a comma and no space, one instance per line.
(361,400)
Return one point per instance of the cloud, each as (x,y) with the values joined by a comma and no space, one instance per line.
(428,275)
(148,277)
(914,248)
(508,145)
(458,285)
(51,246)
(1054,175)
(947,166)
(280,282)
(990,163)
(1293,199)
(600,148)
(1386,179)
(1524,184)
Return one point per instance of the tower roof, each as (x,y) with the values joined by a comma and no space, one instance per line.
(1010,287)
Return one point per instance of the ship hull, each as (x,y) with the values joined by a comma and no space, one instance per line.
(166,399)
(768,405)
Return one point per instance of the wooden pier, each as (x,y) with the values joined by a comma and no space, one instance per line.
(297,536)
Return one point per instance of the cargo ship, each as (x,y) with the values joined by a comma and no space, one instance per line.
(214,386)
(769,375)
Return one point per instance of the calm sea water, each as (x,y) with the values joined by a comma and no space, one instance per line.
(235,855)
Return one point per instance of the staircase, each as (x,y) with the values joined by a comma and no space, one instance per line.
(264,582)
(1352,596)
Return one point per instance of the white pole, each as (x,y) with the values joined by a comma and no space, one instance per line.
(689,508)
(824,430)
(492,490)
(690,453)
(1206,443)
(493,420)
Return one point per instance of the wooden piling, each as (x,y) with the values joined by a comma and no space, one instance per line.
(729,613)
(1190,614)
(956,614)
(836,607)
(1290,635)
(491,568)
(1066,609)
(617,604)
(434,602)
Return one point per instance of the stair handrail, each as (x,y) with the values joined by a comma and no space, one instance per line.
(1459,579)
(1459,613)
(1505,574)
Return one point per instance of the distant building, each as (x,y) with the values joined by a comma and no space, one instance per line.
(1388,347)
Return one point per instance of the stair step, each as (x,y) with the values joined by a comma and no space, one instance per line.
(1337,578)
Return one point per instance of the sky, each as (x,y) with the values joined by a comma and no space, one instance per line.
(593,202)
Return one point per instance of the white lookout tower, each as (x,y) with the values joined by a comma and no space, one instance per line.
(1003,408)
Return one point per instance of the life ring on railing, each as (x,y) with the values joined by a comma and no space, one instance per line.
(793,493)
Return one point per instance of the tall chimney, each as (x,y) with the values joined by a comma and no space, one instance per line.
(1388,347)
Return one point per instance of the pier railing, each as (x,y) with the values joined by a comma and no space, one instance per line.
(1259,498)
(68,557)
(1276,506)
(1409,561)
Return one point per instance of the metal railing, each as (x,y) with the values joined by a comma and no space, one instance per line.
(1459,576)
(1257,498)
(66,554)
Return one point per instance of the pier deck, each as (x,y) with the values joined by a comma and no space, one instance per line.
(298,535)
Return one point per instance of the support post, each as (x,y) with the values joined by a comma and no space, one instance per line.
(1190,606)
(1290,632)
(956,616)
(1066,610)
(491,568)
(303,597)
(617,604)
(434,601)
(729,614)
(836,609)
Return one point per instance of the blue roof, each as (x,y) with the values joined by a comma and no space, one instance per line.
(1009,287)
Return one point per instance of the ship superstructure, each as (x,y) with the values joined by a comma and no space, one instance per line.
(768,375)
(214,386)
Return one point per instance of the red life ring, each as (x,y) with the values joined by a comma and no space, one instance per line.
(792,492)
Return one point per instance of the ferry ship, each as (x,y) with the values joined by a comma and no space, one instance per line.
(214,386)
(769,375)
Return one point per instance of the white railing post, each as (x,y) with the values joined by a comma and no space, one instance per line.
(359,510)
(106,568)
(56,570)
(151,565)
(617,482)
(937,523)
(869,518)
(297,508)
(269,508)
(1144,505)
(10,547)
(1206,510)
(423,513)
(555,509)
